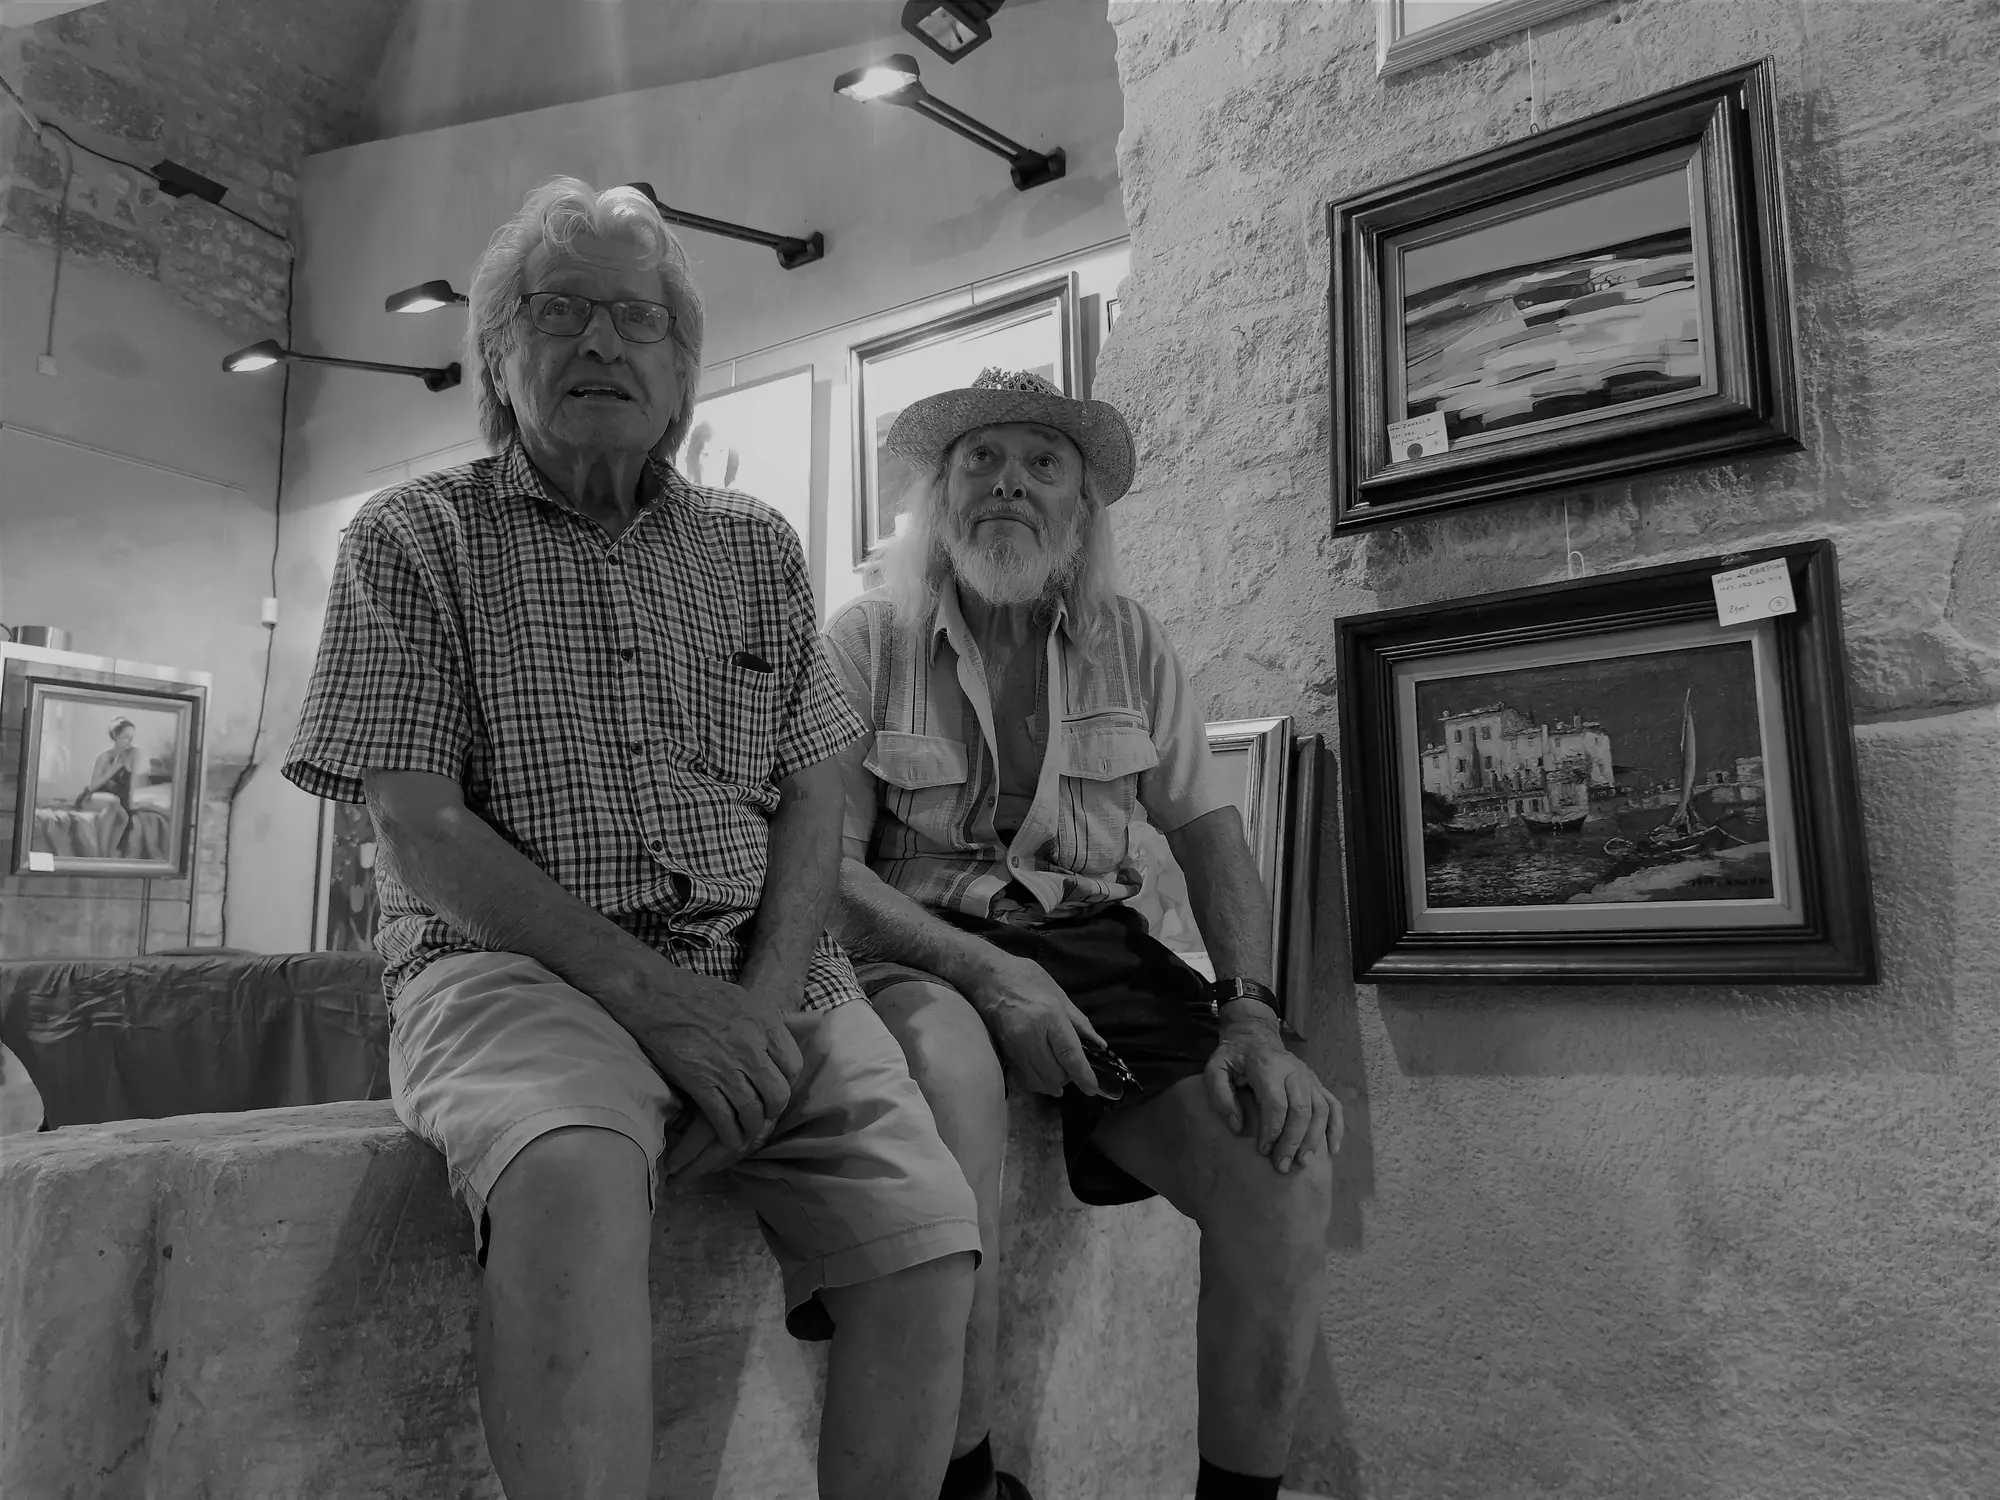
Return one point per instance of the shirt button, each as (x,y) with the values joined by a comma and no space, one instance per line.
(637,747)
(656,845)
(626,653)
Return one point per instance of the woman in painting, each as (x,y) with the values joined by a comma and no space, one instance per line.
(114,768)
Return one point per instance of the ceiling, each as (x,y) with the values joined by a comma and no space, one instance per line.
(448,62)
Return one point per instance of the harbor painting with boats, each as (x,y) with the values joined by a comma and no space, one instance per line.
(1635,778)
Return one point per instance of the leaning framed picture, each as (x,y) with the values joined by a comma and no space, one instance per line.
(1034,329)
(1252,759)
(1605,298)
(1411,33)
(108,758)
(1600,781)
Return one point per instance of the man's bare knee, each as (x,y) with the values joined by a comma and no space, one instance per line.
(931,1296)
(579,1186)
(946,1045)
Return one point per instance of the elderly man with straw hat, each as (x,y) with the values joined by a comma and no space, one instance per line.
(1020,709)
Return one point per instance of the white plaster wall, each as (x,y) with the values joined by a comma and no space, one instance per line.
(1644,1241)
(147,535)
(911,214)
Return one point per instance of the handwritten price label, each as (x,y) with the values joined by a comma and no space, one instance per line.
(1754,593)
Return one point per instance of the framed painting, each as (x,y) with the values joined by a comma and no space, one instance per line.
(1252,760)
(1034,329)
(757,439)
(1600,781)
(345,911)
(1602,299)
(108,764)
(1410,33)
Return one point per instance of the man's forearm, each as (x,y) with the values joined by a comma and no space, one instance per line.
(456,864)
(800,875)
(874,920)
(1230,906)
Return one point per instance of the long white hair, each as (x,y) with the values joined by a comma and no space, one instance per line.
(555,214)
(916,563)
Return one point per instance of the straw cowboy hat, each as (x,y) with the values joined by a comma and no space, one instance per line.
(925,428)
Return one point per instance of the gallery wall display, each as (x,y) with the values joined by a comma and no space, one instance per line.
(757,439)
(1601,299)
(1253,760)
(1602,780)
(107,761)
(1410,33)
(345,909)
(1034,329)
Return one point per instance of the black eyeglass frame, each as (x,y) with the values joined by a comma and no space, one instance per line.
(614,303)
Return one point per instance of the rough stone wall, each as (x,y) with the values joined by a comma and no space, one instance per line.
(1659,1242)
(238,90)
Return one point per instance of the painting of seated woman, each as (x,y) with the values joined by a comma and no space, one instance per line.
(108,781)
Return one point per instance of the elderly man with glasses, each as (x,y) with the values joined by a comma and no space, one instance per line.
(585,705)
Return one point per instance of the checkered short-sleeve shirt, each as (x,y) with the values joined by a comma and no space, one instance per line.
(620,711)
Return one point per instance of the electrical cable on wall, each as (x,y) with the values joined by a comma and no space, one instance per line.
(270,630)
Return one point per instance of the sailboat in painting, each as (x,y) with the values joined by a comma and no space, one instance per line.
(1684,834)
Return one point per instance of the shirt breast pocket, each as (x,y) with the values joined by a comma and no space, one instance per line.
(739,722)
(923,780)
(1104,755)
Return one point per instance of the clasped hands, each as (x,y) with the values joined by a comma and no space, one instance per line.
(1041,1034)
(729,1053)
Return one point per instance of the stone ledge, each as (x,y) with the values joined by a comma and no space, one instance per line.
(280,1304)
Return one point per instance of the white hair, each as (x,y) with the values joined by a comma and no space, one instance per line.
(916,562)
(555,214)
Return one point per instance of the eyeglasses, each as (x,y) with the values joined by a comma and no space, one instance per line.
(565,314)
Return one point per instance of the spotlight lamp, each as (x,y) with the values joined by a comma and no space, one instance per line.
(792,252)
(267,352)
(894,80)
(950,28)
(423,298)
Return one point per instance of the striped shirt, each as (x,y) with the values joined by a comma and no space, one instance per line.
(923,790)
(619,710)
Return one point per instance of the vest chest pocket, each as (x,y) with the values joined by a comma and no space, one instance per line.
(916,762)
(1106,748)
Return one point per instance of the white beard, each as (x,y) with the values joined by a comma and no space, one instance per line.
(1003,571)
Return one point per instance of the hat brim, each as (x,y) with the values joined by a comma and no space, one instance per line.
(925,428)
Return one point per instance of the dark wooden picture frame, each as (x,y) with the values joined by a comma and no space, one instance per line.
(1720,133)
(1804,796)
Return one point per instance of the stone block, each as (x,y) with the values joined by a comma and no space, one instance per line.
(94,100)
(33,216)
(281,1304)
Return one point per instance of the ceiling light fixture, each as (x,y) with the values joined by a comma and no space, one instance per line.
(177,181)
(792,252)
(268,352)
(950,28)
(431,294)
(894,80)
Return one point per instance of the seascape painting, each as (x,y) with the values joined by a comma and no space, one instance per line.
(1584,305)
(1621,780)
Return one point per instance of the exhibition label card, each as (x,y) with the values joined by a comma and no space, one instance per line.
(1417,437)
(1754,593)
(40,861)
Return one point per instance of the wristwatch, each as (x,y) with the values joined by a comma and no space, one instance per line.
(1230,989)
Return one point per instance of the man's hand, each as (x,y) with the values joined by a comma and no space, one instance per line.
(1296,1113)
(728,1053)
(1036,1027)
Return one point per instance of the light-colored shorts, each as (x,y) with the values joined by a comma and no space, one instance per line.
(488,1051)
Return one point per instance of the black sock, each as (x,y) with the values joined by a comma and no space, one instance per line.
(970,1475)
(1224,1484)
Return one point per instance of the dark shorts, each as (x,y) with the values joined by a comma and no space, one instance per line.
(1153,1010)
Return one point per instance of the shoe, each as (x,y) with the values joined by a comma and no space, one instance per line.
(1007,1487)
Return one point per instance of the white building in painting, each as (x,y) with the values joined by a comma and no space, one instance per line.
(1498,766)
